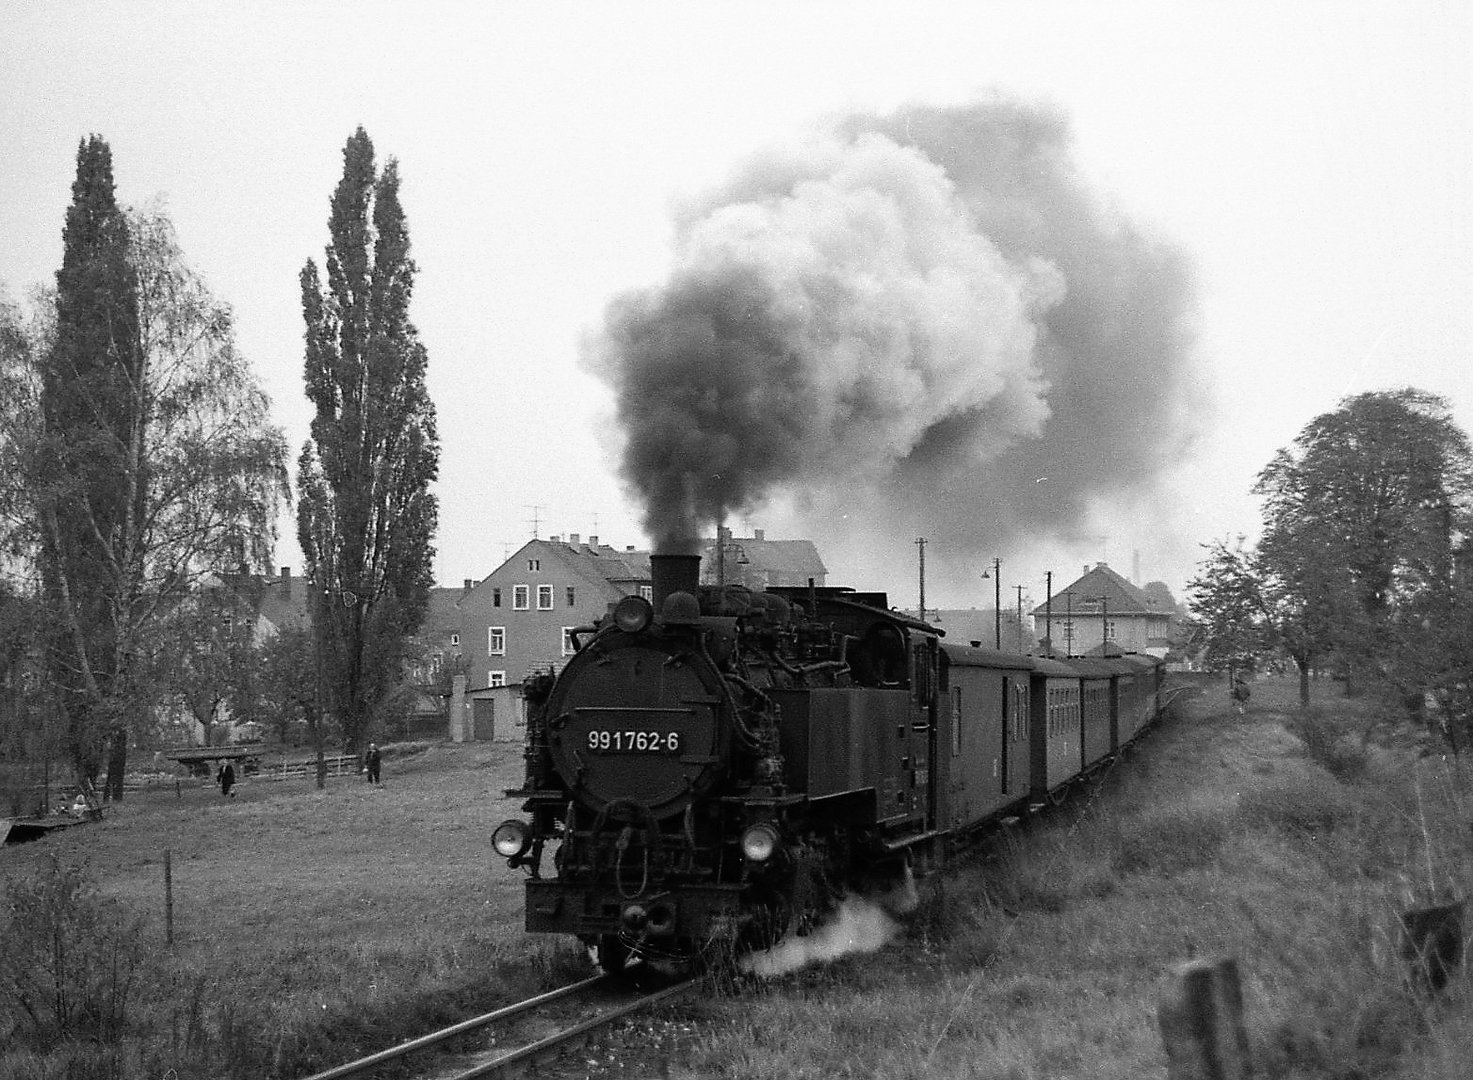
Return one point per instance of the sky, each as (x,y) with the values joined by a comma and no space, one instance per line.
(1041,282)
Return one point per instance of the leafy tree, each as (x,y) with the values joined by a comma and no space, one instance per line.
(366,516)
(149,461)
(287,689)
(1362,515)
(1227,599)
(206,658)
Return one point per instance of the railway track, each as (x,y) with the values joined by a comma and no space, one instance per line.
(603,1008)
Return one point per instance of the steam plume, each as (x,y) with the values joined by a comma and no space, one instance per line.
(896,328)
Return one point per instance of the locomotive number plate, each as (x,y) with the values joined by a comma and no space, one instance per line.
(630,741)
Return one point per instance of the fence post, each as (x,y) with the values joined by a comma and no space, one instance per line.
(168,896)
(1432,943)
(1201,1018)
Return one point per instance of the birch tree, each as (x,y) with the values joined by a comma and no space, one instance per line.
(150,462)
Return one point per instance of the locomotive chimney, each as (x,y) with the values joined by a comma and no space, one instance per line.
(673,573)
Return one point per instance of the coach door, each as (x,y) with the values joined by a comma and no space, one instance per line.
(1014,726)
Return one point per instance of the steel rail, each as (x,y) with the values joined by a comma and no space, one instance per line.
(569,1034)
(399,1050)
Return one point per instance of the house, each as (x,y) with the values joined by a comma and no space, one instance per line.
(518,621)
(1099,607)
(760,563)
(984,626)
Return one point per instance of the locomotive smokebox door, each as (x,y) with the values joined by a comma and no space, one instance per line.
(635,731)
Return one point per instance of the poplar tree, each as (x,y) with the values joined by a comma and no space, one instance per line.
(90,418)
(366,516)
(143,454)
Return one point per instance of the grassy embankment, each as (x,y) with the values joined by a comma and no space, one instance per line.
(1222,835)
(311,926)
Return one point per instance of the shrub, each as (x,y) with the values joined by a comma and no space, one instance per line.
(1169,841)
(1328,745)
(73,960)
(1308,807)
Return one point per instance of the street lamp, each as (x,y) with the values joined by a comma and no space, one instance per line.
(996,577)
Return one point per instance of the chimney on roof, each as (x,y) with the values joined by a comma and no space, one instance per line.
(593,541)
(557,539)
(628,547)
(759,534)
(573,539)
(469,585)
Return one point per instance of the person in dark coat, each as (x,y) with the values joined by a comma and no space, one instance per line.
(226,776)
(373,761)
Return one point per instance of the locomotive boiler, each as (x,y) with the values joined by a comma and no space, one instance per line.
(718,766)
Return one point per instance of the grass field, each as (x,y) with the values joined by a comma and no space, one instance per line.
(311,925)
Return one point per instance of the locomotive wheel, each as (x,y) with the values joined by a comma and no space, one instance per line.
(613,954)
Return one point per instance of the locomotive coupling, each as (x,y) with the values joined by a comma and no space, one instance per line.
(657,920)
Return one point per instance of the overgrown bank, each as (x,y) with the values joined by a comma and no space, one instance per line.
(311,924)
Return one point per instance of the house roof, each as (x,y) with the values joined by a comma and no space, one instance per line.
(789,558)
(1120,596)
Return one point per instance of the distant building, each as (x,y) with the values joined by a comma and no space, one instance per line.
(982,625)
(1099,607)
(519,620)
(760,563)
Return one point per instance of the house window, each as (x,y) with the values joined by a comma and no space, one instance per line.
(568,649)
(455,640)
(544,598)
(498,678)
(496,597)
(534,565)
(1110,629)
(496,641)
(647,591)
(571,602)
(519,598)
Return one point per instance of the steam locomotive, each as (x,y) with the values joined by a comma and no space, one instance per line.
(719,766)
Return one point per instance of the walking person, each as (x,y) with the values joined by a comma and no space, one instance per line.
(1239,692)
(226,776)
(373,761)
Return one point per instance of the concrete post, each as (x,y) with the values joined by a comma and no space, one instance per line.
(457,709)
(1201,1018)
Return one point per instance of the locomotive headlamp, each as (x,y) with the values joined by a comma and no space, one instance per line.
(511,838)
(759,842)
(633,614)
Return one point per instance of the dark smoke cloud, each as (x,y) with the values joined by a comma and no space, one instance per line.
(896,329)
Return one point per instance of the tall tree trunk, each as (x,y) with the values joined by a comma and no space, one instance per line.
(117,762)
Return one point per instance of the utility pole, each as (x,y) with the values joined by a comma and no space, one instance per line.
(996,577)
(921,546)
(1020,617)
(1104,623)
(1069,624)
(1048,610)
